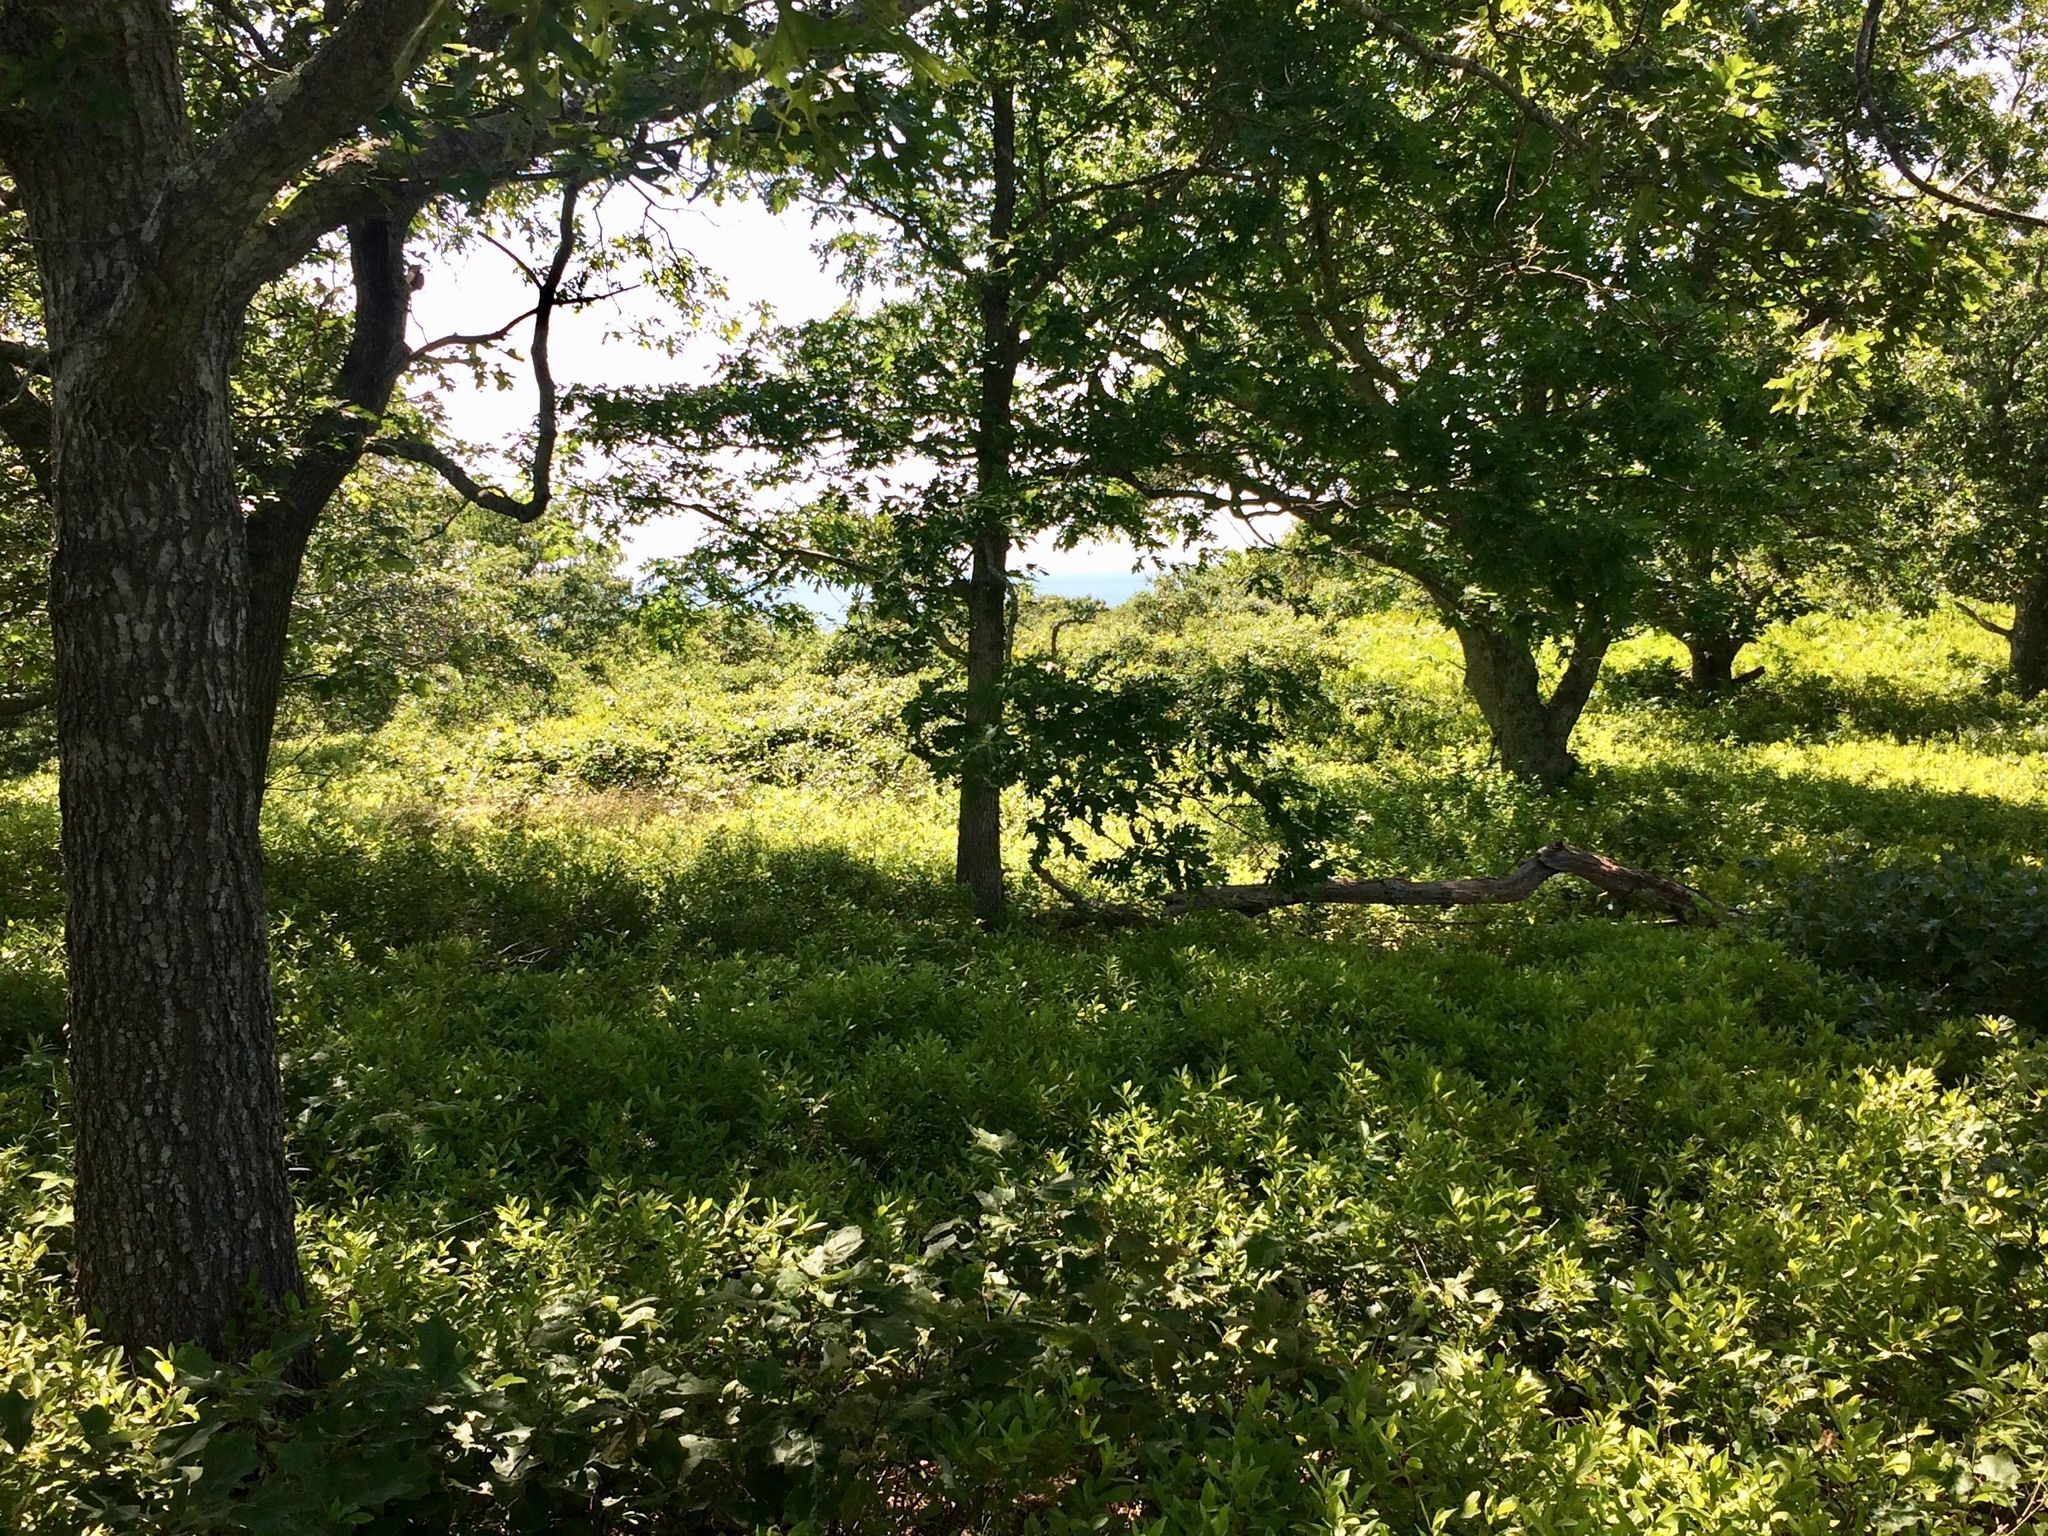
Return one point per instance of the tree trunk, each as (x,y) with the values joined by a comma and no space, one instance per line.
(1712,660)
(2027,640)
(183,1215)
(978,859)
(280,528)
(978,862)
(1532,733)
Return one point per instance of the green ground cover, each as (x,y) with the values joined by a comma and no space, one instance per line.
(675,1154)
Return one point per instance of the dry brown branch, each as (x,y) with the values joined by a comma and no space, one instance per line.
(1680,902)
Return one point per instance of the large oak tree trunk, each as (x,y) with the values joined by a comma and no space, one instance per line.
(183,1212)
(183,1215)
(2027,641)
(1531,730)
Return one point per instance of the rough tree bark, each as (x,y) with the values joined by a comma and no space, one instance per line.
(978,858)
(182,1205)
(2027,640)
(1531,731)
(168,612)
(183,1212)
(181,1201)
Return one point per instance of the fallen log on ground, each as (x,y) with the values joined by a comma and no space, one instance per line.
(1640,887)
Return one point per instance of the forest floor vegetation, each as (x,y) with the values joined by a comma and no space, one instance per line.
(674,1151)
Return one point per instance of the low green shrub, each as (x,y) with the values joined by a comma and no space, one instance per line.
(1956,933)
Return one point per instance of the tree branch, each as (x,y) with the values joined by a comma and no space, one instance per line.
(547,296)
(418,451)
(547,426)
(1866,101)
(16,706)
(278,529)
(1581,671)
(2004,631)
(24,357)
(25,415)
(1675,900)
(360,67)
(361,181)
(1418,47)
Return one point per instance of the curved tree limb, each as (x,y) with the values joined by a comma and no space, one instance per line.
(548,297)
(1984,621)
(472,490)
(1866,102)
(354,72)
(279,528)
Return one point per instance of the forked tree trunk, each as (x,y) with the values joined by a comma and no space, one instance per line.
(2027,640)
(978,857)
(1712,660)
(1531,730)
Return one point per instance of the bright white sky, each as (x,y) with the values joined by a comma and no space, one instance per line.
(761,257)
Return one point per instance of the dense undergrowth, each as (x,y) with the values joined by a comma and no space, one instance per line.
(676,1155)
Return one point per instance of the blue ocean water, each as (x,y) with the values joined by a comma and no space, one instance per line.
(1111,587)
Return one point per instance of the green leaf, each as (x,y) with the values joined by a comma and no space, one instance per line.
(834,1252)
(440,1349)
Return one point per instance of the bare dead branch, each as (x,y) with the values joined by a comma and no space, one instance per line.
(1679,902)
(1085,910)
